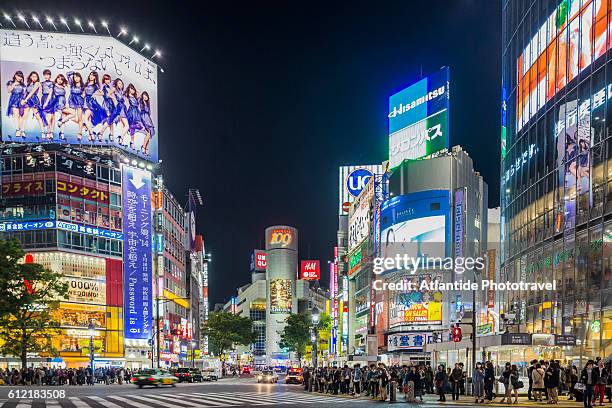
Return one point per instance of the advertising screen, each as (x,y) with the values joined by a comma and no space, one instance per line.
(280,296)
(418,119)
(137,253)
(566,43)
(77,89)
(360,217)
(310,270)
(416,307)
(352,180)
(416,224)
(281,237)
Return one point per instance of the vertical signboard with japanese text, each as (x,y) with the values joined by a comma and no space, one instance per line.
(418,119)
(137,253)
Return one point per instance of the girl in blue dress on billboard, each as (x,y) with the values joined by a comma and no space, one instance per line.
(45,101)
(145,114)
(58,103)
(94,113)
(16,88)
(31,102)
(106,91)
(133,113)
(76,102)
(118,115)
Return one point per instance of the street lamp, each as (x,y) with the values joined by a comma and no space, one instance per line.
(92,331)
(315,335)
(193,345)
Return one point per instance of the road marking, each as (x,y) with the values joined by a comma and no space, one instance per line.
(173,399)
(78,403)
(149,400)
(104,402)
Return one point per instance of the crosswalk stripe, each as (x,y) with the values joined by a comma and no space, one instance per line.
(202,401)
(216,400)
(129,401)
(104,402)
(149,400)
(24,404)
(78,403)
(173,399)
(53,403)
(242,397)
(224,397)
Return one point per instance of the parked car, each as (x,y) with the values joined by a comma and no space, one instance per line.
(294,376)
(267,376)
(155,377)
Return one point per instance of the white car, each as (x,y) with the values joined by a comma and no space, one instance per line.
(267,376)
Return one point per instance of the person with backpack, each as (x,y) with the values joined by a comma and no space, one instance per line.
(537,375)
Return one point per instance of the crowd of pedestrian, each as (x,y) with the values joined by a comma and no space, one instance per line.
(547,380)
(68,376)
(374,380)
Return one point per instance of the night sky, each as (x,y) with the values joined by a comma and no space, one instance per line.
(261,102)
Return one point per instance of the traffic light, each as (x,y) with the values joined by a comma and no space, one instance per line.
(456,334)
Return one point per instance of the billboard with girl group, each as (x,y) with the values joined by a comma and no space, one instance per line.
(77,89)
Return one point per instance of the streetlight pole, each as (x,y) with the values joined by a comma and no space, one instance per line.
(91,345)
(315,336)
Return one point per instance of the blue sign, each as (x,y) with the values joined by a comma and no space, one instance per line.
(418,101)
(357,180)
(137,253)
(66,226)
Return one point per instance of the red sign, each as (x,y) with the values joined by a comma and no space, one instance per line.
(260,261)
(346,206)
(310,270)
(77,190)
(23,188)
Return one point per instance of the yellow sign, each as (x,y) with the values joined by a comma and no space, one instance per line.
(423,313)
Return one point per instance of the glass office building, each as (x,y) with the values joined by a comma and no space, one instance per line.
(556,176)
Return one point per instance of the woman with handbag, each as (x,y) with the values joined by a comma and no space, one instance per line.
(505,379)
(478,379)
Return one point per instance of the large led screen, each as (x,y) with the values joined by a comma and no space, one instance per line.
(567,42)
(280,296)
(77,89)
(418,119)
(416,224)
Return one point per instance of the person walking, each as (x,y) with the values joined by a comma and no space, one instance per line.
(440,379)
(478,380)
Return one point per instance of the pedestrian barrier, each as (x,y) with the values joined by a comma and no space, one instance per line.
(392,391)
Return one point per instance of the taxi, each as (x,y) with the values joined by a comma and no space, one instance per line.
(155,377)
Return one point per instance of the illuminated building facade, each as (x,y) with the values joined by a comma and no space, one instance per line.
(556,175)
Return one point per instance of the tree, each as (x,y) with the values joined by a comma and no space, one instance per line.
(29,293)
(226,329)
(297,333)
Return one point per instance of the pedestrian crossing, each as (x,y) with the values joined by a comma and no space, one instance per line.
(182,400)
